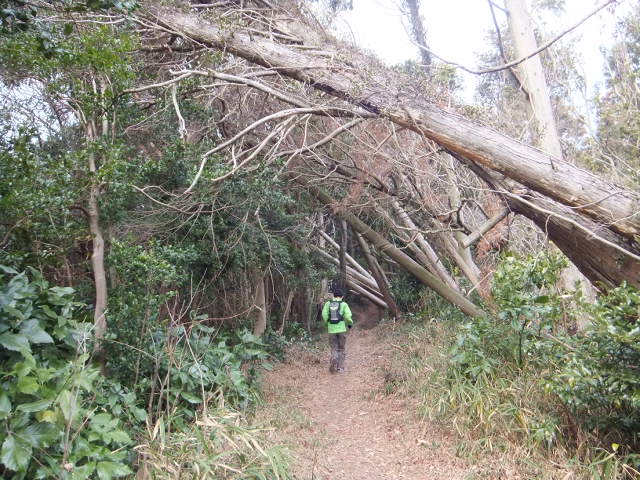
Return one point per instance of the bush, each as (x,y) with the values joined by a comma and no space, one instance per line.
(55,407)
(600,380)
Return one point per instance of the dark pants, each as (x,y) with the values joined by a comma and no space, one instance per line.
(338,342)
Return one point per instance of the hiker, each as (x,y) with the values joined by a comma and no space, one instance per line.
(337,315)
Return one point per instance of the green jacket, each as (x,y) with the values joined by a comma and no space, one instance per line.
(347,319)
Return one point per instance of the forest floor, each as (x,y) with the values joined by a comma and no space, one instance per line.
(346,427)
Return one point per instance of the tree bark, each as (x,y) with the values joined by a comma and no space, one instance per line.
(379,276)
(485,227)
(532,77)
(366,282)
(352,261)
(260,303)
(342,255)
(545,133)
(98,248)
(422,248)
(287,309)
(376,89)
(418,32)
(596,251)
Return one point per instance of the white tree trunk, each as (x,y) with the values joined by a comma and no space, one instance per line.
(546,132)
(532,77)
(260,303)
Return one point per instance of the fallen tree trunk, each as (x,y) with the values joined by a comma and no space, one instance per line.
(379,275)
(365,83)
(602,256)
(372,88)
(406,262)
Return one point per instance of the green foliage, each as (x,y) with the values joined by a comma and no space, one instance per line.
(519,377)
(277,343)
(600,378)
(56,409)
(524,289)
(405,289)
(198,365)
(618,105)
(19,17)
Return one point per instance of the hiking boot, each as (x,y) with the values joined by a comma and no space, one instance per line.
(340,370)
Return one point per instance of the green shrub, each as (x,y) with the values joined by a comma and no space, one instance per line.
(55,407)
(600,380)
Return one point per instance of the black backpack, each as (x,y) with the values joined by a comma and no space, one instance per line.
(335,316)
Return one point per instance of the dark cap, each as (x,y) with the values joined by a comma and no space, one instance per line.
(337,292)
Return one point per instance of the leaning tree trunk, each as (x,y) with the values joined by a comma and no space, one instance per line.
(342,255)
(379,276)
(373,88)
(602,257)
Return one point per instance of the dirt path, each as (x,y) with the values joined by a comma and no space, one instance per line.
(344,427)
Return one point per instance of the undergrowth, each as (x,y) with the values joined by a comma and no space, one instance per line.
(519,387)
(61,418)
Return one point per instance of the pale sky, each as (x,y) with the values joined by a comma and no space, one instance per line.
(456,31)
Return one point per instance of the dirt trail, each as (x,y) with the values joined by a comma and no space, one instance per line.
(344,427)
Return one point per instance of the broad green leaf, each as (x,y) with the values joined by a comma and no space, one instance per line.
(5,405)
(190,397)
(9,270)
(102,421)
(68,404)
(13,311)
(85,378)
(15,342)
(47,416)
(83,472)
(139,413)
(39,434)
(15,454)
(48,312)
(31,329)
(22,369)
(118,436)
(109,470)
(28,385)
(61,291)
(34,406)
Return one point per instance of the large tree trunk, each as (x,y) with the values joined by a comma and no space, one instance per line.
(98,247)
(373,88)
(424,252)
(532,78)
(600,256)
(545,131)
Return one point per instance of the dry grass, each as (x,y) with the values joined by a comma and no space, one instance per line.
(220,446)
(499,422)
